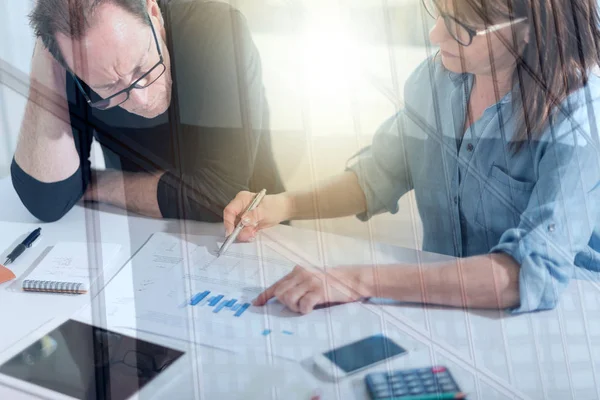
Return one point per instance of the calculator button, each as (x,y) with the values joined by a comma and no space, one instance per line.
(415,391)
(430,389)
(447,387)
(428,381)
(437,370)
(378,379)
(382,387)
(400,392)
(383,393)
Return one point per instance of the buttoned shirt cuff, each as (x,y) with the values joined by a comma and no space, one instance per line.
(543,274)
(378,195)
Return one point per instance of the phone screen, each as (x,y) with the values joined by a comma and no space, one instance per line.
(358,355)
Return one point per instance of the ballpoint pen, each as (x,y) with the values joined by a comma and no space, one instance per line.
(27,243)
(231,238)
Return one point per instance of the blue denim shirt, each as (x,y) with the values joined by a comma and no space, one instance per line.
(540,205)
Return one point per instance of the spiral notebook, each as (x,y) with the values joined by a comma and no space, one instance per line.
(70,267)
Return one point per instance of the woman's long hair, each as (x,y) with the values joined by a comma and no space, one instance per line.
(561,52)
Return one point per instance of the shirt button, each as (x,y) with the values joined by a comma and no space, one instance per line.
(470,147)
(551,228)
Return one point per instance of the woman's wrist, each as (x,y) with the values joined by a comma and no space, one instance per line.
(288,207)
(357,278)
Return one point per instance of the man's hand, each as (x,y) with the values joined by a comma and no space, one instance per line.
(303,289)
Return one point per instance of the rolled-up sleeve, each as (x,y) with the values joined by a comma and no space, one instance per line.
(49,202)
(561,213)
(382,169)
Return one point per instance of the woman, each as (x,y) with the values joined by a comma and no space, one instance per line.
(499,140)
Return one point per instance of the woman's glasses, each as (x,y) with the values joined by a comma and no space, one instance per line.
(459,31)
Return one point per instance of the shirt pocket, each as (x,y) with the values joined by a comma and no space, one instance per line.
(502,201)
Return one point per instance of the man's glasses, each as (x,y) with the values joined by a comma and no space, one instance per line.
(459,31)
(142,82)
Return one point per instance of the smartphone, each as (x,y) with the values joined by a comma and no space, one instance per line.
(357,356)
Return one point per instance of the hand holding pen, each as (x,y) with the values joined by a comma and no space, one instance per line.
(27,243)
(244,219)
(272,210)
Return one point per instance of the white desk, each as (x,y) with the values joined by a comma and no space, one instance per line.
(550,355)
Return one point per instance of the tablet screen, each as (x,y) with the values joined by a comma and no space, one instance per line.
(90,363)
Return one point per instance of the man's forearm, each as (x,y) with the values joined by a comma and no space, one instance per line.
(132,191)
(45,149)
(486,281)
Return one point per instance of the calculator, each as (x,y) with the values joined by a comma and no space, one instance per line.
(413,384)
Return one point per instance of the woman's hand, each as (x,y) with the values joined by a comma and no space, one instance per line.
(272,210)
(303,289)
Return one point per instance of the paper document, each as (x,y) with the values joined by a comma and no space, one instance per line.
(74,262)
(180,289)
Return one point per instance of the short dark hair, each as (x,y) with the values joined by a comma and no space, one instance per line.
(72,18)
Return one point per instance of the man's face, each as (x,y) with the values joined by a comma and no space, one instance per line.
(116,51)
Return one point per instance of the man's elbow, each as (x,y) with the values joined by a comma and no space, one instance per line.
(48,214)
(48,202)
(47,209)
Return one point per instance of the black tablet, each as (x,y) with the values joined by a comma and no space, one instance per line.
(90,363)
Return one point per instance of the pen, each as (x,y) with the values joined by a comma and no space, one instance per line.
(29,240)
(231,238)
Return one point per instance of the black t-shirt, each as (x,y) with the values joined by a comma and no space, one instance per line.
(214,140)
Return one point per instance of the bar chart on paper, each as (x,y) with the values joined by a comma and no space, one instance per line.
(219,303)
(177,288)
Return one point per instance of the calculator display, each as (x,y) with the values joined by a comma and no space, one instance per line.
(358,355)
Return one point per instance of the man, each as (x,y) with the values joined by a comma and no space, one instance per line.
(173,93)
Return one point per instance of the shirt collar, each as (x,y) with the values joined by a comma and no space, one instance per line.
(458,79)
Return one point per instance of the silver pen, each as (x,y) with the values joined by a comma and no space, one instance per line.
(231,238)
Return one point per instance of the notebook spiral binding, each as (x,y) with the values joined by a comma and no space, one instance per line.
(53,287)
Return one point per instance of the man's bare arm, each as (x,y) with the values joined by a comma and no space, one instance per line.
(134,191)
(46,149)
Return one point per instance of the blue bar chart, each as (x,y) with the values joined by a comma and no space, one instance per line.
(219,303)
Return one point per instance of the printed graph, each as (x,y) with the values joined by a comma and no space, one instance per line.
(219,303)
